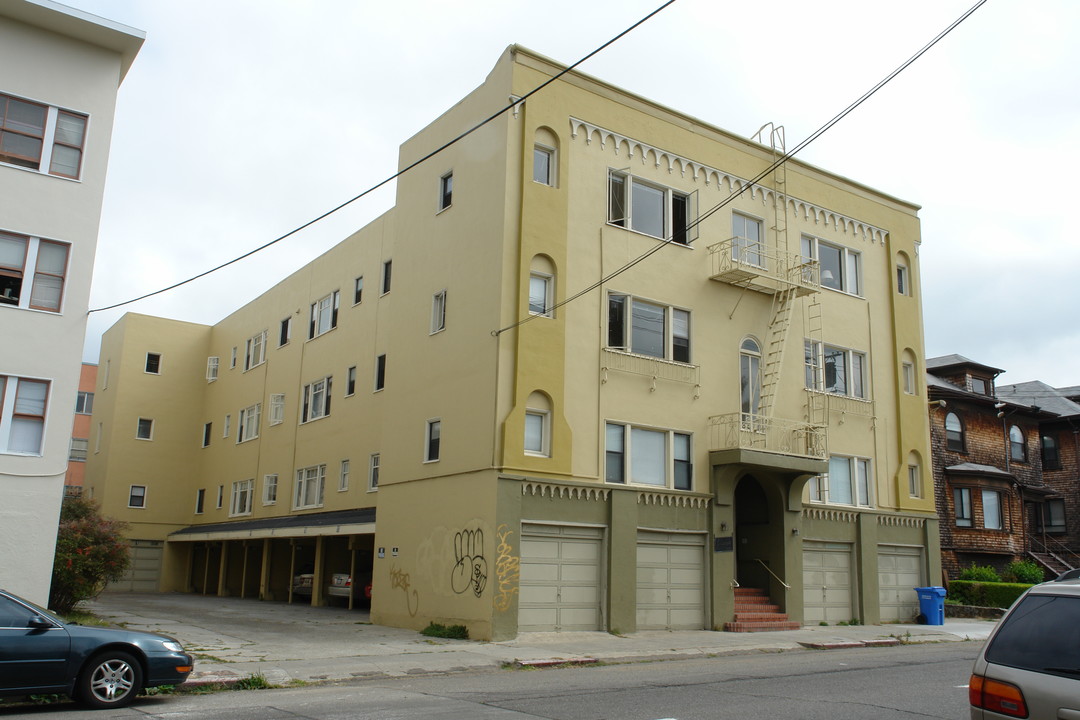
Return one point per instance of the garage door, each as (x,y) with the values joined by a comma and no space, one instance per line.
(900,570)
(560,578)
(670,581)
(145,569)
(826,582)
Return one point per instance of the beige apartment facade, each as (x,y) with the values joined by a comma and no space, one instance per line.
(584,375)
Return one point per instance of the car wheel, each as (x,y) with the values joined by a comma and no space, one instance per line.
(111,679)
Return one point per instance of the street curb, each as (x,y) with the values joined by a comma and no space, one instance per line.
(891,642)
(553,663)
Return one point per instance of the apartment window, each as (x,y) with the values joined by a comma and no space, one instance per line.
(1053,513)
(206,430)
(962,506)
(380,372)
(650,209)
(835,370)
(660,458)
(220,496)
(153,363)
(847,483)
(749,379)
(255,351)
(80,447)
(309,487)
(980,386)
(269,496)
(1017,446)
(903,283)
(914,481)
(646,328)
(992,519)
(145,429)
(540,294)
(316,400)
(248,423)
(841,267)
(24,128)
(446,191)
(277,408)
(908,370)
(212,368)
(228,426)
(200,500)
(438,312)
(358,290)
(84,403)
(432,436)
(350,381)
(232,359)
(373,472)
(1051,457)
(241,497)
(323,315)
(22,415)
(747,240)
(343,480)
(285,331)
(537,432)
(30,263)
(387,272)
(137,496)
(543,165)
(954,433)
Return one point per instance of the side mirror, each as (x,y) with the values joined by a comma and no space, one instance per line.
(39,623)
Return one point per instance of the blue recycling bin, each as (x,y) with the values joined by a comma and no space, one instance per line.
(931,605)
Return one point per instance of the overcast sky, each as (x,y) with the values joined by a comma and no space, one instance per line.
(242,119)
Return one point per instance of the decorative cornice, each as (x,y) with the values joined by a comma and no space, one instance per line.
(673,500)
(901,521)
(565,492)
(712,176)
(828,514)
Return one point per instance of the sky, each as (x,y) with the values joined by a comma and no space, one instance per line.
(243,119)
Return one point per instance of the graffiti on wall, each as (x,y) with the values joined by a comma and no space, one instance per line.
(470,566)
(400,579)
(506,569)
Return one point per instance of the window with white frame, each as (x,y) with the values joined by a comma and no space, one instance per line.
(206,430)
(908,370)
(1017,445)
(373,472)
(432,439)
(316,400)
(446,191)
(32,272)
(23,404)
(540,294)
(343,478)
(220,496)
(41,137)
(248,423)
(543,165)
(269,493)
(647,328)
(84,403)
(144,429)
(841,267)
(232,358)
(358,290)
(255,351)
(380,372)
(153,363)
(992,518)
(848,482)
(650,208)
(310,482)
(137,496)
(387,274)
(200,500)
(962,506)
(646,456)
(537,433)
(438,312)
(285,331)
(350,381)
(80,448)
(277,408)
(747,240)
(914,481)
(324,314)
(903,281)
(212,363)
(834,369)
(228,426)
(241,497)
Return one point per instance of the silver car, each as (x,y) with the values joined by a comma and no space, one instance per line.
(1030,665)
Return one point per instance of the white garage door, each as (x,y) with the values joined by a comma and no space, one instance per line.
(826,582)
(900,571)
(560,578)
(670,581)
(145,569)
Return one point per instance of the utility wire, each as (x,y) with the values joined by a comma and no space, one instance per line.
(757,179)
(401,172)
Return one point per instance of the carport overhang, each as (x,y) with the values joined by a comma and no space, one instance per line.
(343,522)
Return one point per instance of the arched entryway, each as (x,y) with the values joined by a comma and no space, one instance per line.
(753,533)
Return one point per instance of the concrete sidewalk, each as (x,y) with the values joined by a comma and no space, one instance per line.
(233,638)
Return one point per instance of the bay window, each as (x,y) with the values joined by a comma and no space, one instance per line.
(841,267)
(645,456)
(647,328)
(650,208)
(834,369)
(848,482)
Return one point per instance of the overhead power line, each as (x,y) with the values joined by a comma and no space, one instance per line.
(399,173)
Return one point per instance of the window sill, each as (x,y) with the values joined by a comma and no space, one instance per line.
(37,171)
(436,332)
(236,515)
(687,246)
(324,332)
(440,211)
(308,507)
(315,419)
(241,442)
(373,489)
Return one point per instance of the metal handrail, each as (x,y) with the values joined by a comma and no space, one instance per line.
(764,565)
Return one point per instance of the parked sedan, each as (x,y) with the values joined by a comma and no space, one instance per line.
(99,667)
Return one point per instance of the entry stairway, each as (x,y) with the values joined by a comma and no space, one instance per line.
(754,612)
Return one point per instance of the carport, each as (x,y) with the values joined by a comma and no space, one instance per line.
(258,558)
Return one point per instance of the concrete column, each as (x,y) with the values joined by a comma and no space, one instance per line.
(866,557)
(317,589)
(223,568)
(264,571)
(622,562)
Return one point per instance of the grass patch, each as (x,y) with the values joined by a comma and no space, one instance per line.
(452,632)
(257,681)
(84,617)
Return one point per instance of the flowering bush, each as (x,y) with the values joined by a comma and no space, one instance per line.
(90,551)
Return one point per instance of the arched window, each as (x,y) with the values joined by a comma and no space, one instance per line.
(1017,447)
(954,433)
(750,376)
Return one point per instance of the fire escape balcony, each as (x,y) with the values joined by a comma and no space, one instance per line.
(743,438)
(754,265)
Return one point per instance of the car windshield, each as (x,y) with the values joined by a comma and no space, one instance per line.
(1041,634)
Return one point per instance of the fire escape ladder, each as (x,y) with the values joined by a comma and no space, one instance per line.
(816,402)
(775,343)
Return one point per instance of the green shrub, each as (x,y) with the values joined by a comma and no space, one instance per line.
(986,594)
(90,552)
(1023,571)
(454,632)
(980,573)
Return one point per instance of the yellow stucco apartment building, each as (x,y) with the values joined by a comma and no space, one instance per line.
(583,376)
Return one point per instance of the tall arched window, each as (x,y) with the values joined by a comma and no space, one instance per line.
(1017,446)
(954,433)
(750,376)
